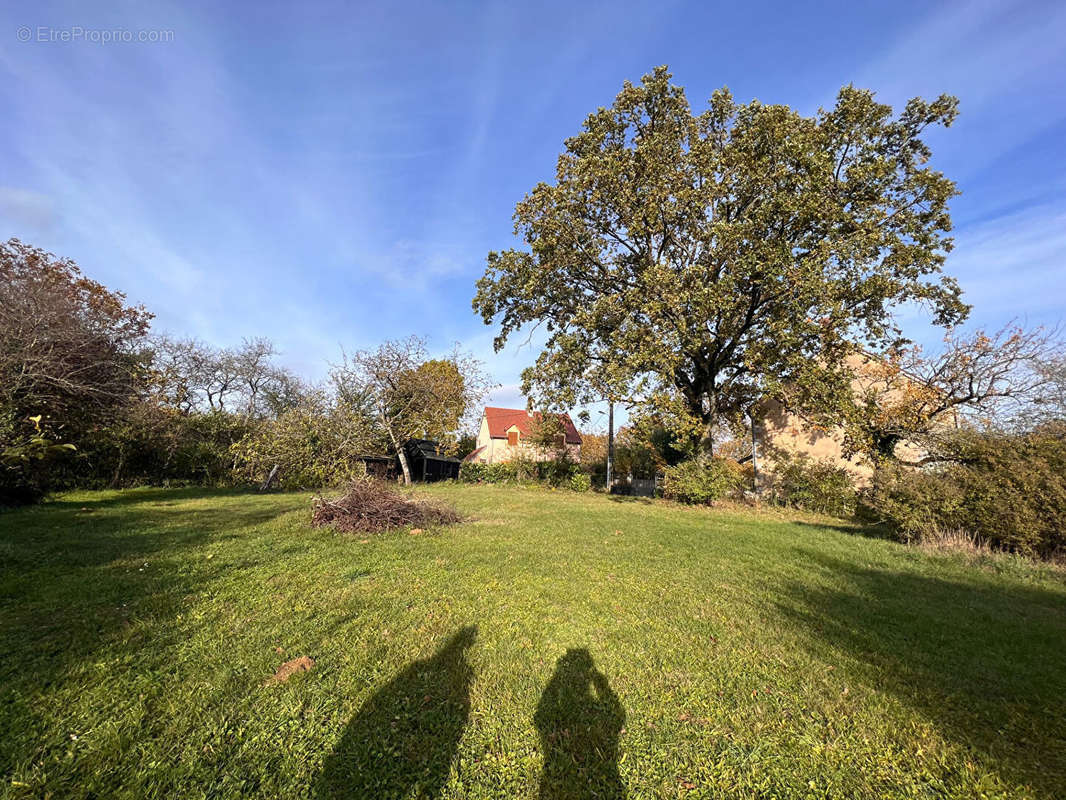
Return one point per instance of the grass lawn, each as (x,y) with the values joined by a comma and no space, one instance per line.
(556,645)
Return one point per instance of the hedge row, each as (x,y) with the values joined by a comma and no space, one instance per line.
(558,473)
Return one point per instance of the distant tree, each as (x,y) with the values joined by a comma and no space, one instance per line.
(466,444)
(1051,406)
(700,262)
(647,446)
(594,452)
(315,443)
(997,381)
(411,395)
(192,376)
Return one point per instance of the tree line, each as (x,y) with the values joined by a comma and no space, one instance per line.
(90,396)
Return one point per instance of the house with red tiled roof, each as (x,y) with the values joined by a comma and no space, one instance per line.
(504,436)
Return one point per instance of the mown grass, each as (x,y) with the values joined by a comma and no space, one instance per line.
(555,645)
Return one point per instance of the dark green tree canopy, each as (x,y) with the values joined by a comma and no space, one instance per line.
(697,261)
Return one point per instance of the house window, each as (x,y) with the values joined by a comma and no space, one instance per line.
(560,441)
(512,438)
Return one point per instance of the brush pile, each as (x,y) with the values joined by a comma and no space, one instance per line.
(370,506)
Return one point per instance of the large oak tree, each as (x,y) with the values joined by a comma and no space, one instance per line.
(696,262)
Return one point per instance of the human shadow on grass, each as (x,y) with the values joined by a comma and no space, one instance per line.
(983,661)
(579,719)
(403,739)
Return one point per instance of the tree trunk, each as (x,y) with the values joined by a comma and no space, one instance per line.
(707,414)
(610,444)
(400,454)
(404,465)
(270,479)
(118,470)
(705,452)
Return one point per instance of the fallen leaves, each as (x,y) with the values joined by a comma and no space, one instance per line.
(290,668)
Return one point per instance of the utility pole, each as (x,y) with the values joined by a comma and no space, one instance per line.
(754,456)
(610,444)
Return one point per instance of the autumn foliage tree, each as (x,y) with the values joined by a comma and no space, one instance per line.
(982,381)
(411,395)
(70,348)
(700,261)
(70,358)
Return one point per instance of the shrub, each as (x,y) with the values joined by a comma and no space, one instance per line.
(580,482)
(558,473)
(25,457)
(1006,491)
(918,504)
(801,482)
(699,483)
(313,444)
(471,472)
(370,506)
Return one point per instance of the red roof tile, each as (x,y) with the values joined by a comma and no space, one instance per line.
(500,419)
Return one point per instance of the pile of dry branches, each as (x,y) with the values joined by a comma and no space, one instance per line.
(370,506)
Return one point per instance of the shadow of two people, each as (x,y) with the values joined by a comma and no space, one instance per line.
(402,742)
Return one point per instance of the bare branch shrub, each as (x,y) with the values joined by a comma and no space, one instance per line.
(371,506)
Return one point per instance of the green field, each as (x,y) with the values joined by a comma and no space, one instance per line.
(555,645)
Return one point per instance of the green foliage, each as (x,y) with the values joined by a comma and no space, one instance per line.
(24,460)
(1006,491)
(505,472)
(410,396)
(700,261)
(70,350)
(697,482)
(556,473)
(314,445)
(154,445)
(799,481)
(580,482)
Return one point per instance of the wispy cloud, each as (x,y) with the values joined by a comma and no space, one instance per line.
(336,184)
(32,211)
(1014,265)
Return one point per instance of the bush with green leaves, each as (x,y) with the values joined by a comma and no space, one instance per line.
(26,452)
(580,482)
(313,445)
(699,483)
(798,481)
(1005,491)
(557,473)
(472,472)
(151,444)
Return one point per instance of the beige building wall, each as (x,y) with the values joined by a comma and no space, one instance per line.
(784,430)
(499,450)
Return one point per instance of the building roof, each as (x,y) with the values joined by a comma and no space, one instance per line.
(500,419)
(426,448)
(472,456)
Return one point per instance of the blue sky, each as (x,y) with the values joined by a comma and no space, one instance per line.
(328,174)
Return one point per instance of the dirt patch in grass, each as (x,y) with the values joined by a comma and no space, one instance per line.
(371,506)
(290,668)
